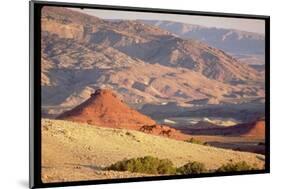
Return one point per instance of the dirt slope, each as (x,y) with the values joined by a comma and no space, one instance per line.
(143,63)
(75,151)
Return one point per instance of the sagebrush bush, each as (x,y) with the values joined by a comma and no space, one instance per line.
(238,166)
(192,168)
(147,164)
(153,165)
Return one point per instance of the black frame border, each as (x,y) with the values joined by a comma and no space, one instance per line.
(35,92)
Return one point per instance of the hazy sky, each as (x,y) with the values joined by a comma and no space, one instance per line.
(251,25)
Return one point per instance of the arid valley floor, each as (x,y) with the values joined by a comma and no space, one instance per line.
(117,89)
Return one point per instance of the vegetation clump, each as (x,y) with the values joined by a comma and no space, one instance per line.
(147,164)
(153,165)
(192,168)
(238,166)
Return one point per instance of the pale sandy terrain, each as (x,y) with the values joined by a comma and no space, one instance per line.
(74,151)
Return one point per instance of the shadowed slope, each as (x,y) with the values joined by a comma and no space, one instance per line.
(253,129)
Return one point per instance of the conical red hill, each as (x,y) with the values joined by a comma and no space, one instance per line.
(255,129)
(104,108)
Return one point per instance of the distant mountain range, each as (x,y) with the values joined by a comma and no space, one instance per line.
(142,62)
(246,46)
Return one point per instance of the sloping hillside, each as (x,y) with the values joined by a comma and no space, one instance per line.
(106,109)
(141,62)
(73,151)
(148,43)
(253,129)
(235,42)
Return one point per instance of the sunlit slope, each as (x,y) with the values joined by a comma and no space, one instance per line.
(74,151)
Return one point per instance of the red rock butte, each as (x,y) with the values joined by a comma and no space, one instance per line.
(104,108)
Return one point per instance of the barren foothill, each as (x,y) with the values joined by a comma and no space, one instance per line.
(76,151)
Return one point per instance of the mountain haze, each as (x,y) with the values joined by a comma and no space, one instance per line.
(244,45)
(143,63)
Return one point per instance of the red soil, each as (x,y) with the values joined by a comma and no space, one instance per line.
(255,129)
(105,109)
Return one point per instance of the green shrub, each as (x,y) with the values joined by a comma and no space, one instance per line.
(239,166)
(153,165)
(147,164)
(192,168)
(196,141)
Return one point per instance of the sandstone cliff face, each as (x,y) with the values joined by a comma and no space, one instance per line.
(143,63)
(229,40)
(148,43)
(68,31)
